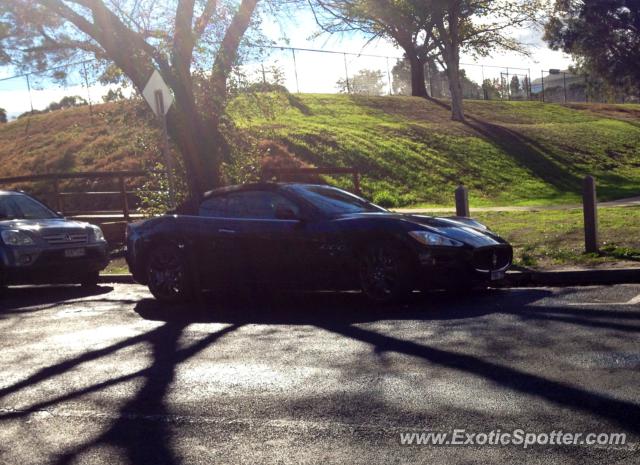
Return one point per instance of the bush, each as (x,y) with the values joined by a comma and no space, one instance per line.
(385,199)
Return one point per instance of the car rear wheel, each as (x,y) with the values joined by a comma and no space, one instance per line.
(386,273)
(167,274)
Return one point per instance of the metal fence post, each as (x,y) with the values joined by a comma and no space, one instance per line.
(295,69)
(388,76)
(56,195)
(346,72)
(564,86)
(125,201)
(462,201)
(590,208)
(86,83)
(542,73)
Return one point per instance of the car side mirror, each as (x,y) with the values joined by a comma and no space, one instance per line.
(286,213)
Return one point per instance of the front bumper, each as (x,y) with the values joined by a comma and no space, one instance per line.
(32,265)
(451,267)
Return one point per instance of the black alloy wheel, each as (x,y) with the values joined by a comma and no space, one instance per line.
(385,273)
(167,274)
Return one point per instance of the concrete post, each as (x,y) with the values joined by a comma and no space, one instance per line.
(462,201)
(590,208)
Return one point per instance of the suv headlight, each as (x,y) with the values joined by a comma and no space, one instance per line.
(96,235)
(434,239)
(15,237)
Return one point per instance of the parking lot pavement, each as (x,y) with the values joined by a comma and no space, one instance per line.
(113,377)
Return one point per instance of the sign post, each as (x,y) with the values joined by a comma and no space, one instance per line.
(159,98)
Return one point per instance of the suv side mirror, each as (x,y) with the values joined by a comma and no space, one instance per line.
(285,213)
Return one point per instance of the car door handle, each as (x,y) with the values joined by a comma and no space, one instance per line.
(226,231)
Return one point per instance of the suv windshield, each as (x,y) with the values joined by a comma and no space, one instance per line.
(335,201)
(22,207)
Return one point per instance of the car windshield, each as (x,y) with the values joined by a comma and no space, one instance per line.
(22,207)
(335,201)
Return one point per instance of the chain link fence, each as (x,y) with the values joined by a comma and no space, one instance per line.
(302,70)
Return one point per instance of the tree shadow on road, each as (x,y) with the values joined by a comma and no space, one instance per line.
(141,430)
(22,299)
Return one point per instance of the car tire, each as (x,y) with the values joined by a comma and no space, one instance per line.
(386,272)
(167,274)
(90,281)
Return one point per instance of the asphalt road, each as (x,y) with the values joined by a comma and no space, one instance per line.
(112,377)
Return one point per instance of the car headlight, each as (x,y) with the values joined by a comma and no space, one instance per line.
(15,237)
(434,239)
(96,235)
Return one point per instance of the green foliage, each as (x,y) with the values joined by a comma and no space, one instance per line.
(385,199)
(3,116)
(603,35)
(113,95)
(66,102)
(154,193)
(364,82)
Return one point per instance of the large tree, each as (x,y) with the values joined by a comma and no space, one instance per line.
(193,44)
(479,28)
(604,36)
(406,23)
(434,30)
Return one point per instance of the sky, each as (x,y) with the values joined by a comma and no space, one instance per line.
(312,71)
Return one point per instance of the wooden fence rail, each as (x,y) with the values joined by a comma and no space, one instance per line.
(58,195)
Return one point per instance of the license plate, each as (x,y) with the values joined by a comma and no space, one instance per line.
(74,253)
(496,275)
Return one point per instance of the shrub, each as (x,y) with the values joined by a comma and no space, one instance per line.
(385,199)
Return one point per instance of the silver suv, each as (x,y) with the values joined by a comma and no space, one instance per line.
(39,246)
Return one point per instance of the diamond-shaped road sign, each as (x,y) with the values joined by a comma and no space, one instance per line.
(155,83)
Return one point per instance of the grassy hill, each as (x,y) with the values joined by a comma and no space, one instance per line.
(407,148)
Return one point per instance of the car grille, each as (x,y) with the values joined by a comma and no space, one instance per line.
(66,238)
(492,258)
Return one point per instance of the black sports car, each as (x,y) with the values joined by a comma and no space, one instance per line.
(307,236)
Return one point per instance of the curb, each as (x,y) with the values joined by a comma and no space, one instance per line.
(571,278)
(512,278)
(116,278)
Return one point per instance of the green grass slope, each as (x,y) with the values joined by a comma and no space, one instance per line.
(507,152)
(407,148)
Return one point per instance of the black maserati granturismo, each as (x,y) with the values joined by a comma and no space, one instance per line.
(307,236)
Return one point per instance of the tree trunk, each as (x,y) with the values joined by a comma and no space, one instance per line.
(450,49)
(200,150)
(418,87)
(455,88)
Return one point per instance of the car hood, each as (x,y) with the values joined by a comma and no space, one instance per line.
(57,224)
(462,229)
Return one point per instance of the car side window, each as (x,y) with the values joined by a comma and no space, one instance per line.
(258,205)
(214,207)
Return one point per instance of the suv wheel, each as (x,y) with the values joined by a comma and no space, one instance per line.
(90,280)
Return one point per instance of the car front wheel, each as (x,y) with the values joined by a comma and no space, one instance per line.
(386,273)
(168,275)
(90,280)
